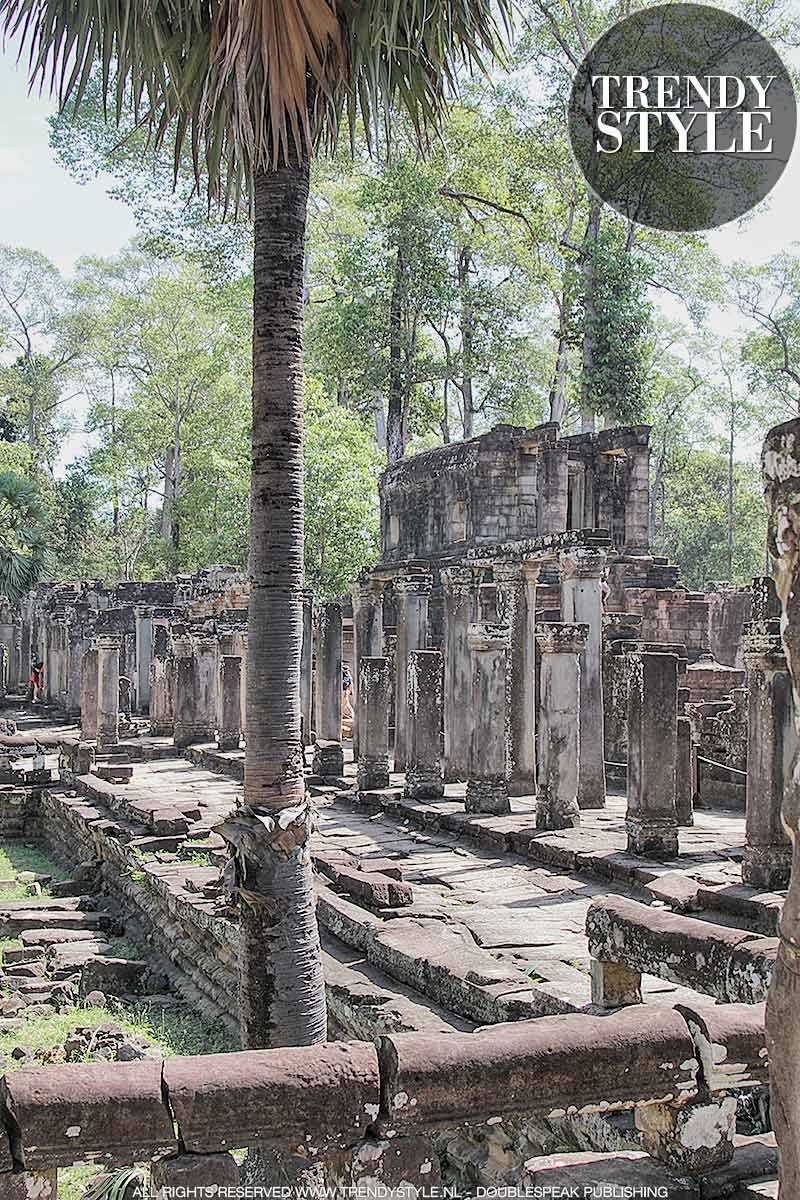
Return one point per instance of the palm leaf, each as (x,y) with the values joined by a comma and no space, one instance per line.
(240,81)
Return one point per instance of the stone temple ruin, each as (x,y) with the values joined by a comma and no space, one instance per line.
(550,860)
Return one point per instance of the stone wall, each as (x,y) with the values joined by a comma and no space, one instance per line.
(515,483)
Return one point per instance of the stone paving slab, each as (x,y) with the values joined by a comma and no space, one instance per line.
(519,918)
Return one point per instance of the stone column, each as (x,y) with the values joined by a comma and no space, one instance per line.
(460,600)
(306,665)
(7,681)
(89,694)
(76,644)
(25,648)
(412,590)
(652,822)
(560,747)
(108,645)
(372,707)
(553,480)
(780,464)
(582,603)
(195,690)
(771,750)
(637,501)
(685,773)
(162,684)
(487,786)
(424,770)
(230,701)
(144,653)
(516,583)
(367,630)
(329,755)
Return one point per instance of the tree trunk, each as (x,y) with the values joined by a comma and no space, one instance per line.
(282,991)
(467,331)
(731,444)
(588,273)
(558,383)
(395,445)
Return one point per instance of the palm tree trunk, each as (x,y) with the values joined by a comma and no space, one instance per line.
(282,991)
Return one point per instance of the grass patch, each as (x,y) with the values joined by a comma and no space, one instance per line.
(16,857)
(9,944)
(122,948)
(175,1031)
(73,1181)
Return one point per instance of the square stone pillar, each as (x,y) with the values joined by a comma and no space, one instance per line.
(306,666)
(6,647)
(89,694)
(367,631)
(637,500)
(230,702)
(460,585)
(412,591)
(652,821)
(424,769)
(76,650)
(144,653)
(328,755)
(516,583)
(685,773)
(108,646)
(489,644)
(372,707)
(582,603)
(195,690)
(561,647)
(162,683)
(772,744)
(553,479)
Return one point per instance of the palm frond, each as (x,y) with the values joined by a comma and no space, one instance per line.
(23,550)
(241,82)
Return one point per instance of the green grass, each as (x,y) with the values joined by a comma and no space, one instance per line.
(73,1181)
(175,1032)
(16,857)
(122,948)
(10,943)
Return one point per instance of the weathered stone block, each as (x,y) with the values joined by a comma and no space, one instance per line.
(89,1112)
(692,1139)
(322,1096)
(549,1066)
(205,1171)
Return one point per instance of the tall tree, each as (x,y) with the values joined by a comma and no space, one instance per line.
(40,328)
(251,87)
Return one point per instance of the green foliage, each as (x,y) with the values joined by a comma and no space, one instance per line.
(696,520)
(234,102)
(23,549)
(618,323)
(342,514)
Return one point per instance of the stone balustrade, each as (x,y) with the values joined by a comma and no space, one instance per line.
(628,939)
(324,1100)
